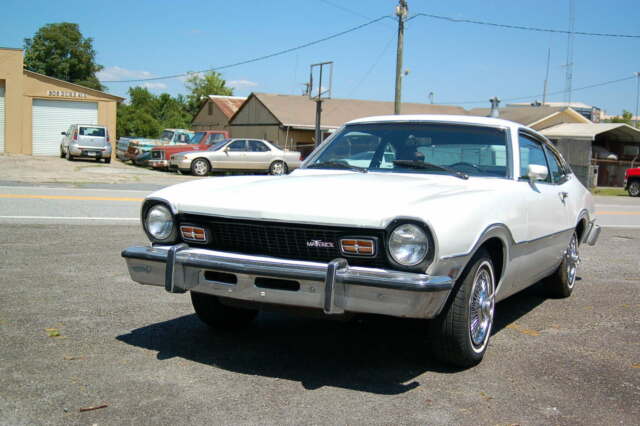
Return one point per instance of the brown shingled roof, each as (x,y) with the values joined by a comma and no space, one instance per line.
(227,104)
(300,111)
(521,114)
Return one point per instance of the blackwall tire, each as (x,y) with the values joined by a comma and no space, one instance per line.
(219,316)
(278,168)
(200,167)
(560,284)
(634,189)
(460,335)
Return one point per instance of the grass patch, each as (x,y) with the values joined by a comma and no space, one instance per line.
(614,192)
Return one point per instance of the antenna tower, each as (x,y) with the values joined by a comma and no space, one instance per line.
(569,64)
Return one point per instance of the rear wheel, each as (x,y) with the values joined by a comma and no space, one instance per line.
(634,188)
(107,160)
(560,283)
(278,168)
(200,167)
(460,335)
(61,152)
(219,316)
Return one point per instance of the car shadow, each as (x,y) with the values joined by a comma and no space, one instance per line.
(373,354)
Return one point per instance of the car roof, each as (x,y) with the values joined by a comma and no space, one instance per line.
(90,125)
(440,118)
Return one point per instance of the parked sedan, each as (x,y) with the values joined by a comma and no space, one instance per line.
(86,141)
(450,215)
(237,155)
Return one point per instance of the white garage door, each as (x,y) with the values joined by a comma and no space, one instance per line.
(52,117)
(1,119)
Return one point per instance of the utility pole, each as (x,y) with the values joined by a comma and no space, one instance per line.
(569,71)
(546,79)
(637,97)
(401,12)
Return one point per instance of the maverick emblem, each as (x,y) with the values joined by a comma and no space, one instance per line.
(318,243)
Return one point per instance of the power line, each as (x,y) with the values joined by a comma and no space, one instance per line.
(591,86)
(260,58)
(521,27)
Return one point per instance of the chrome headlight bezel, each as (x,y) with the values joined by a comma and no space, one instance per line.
(170,233)
(420,265)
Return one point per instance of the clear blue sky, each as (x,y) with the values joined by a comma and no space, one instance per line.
(458,62)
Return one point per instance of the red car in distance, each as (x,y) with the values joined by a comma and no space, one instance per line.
(200,141)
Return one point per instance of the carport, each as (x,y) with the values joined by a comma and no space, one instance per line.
(599,153)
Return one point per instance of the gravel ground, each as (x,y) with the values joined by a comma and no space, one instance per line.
(76,332)
(30,169)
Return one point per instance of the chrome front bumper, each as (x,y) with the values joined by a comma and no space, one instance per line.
(334,287)
(159,163)
(591,234)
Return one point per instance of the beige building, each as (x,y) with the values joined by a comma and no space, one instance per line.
(215,113)
(289,120)
(34,108)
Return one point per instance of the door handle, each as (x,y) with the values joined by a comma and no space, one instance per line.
(563,195)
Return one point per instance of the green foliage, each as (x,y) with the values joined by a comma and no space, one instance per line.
(147,114)
(202,85)
(60,51)
(626,118)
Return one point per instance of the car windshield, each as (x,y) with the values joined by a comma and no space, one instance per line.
(92,131)
(218,145)
(197,137)
(418,147)
(167,135)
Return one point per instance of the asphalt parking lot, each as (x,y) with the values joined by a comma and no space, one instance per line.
(77,333)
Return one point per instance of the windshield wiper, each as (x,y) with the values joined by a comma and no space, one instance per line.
(423,165)
(336,165)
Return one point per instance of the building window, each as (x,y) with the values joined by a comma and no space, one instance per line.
(210,108)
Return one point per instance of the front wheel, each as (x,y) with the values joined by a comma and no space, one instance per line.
(634,189)
(460,335)
(219,316)
(69,156)
(278,168)
(560,283)
(200,167)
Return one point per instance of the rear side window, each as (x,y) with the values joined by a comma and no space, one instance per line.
(92,131)
(257,146)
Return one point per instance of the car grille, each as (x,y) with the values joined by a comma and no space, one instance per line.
(157,155)
(282,240)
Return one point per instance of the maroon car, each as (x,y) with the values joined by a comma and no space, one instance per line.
(200,141)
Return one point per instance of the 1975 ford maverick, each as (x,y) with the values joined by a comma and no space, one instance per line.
(419,216)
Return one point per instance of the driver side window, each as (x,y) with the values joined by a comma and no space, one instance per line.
(531,152)
(237,146)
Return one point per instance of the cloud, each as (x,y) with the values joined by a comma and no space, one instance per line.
(119,73)
(183,78)
(241,84)
(151,86)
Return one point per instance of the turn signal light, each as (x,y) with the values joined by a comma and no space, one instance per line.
(358,247)
(193,233)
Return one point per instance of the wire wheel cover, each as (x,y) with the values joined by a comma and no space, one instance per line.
(481,305)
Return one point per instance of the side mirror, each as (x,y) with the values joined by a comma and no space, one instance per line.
(63,133)
(537,172)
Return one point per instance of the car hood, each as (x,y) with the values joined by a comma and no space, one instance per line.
(326,197)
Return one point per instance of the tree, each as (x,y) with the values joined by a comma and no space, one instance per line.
(147,114)
(626,118)
(202,85)
(60,51)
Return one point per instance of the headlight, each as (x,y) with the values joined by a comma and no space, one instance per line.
(159,222)
(408,244)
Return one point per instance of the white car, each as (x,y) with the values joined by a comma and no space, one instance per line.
(450,215)
(237,155)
